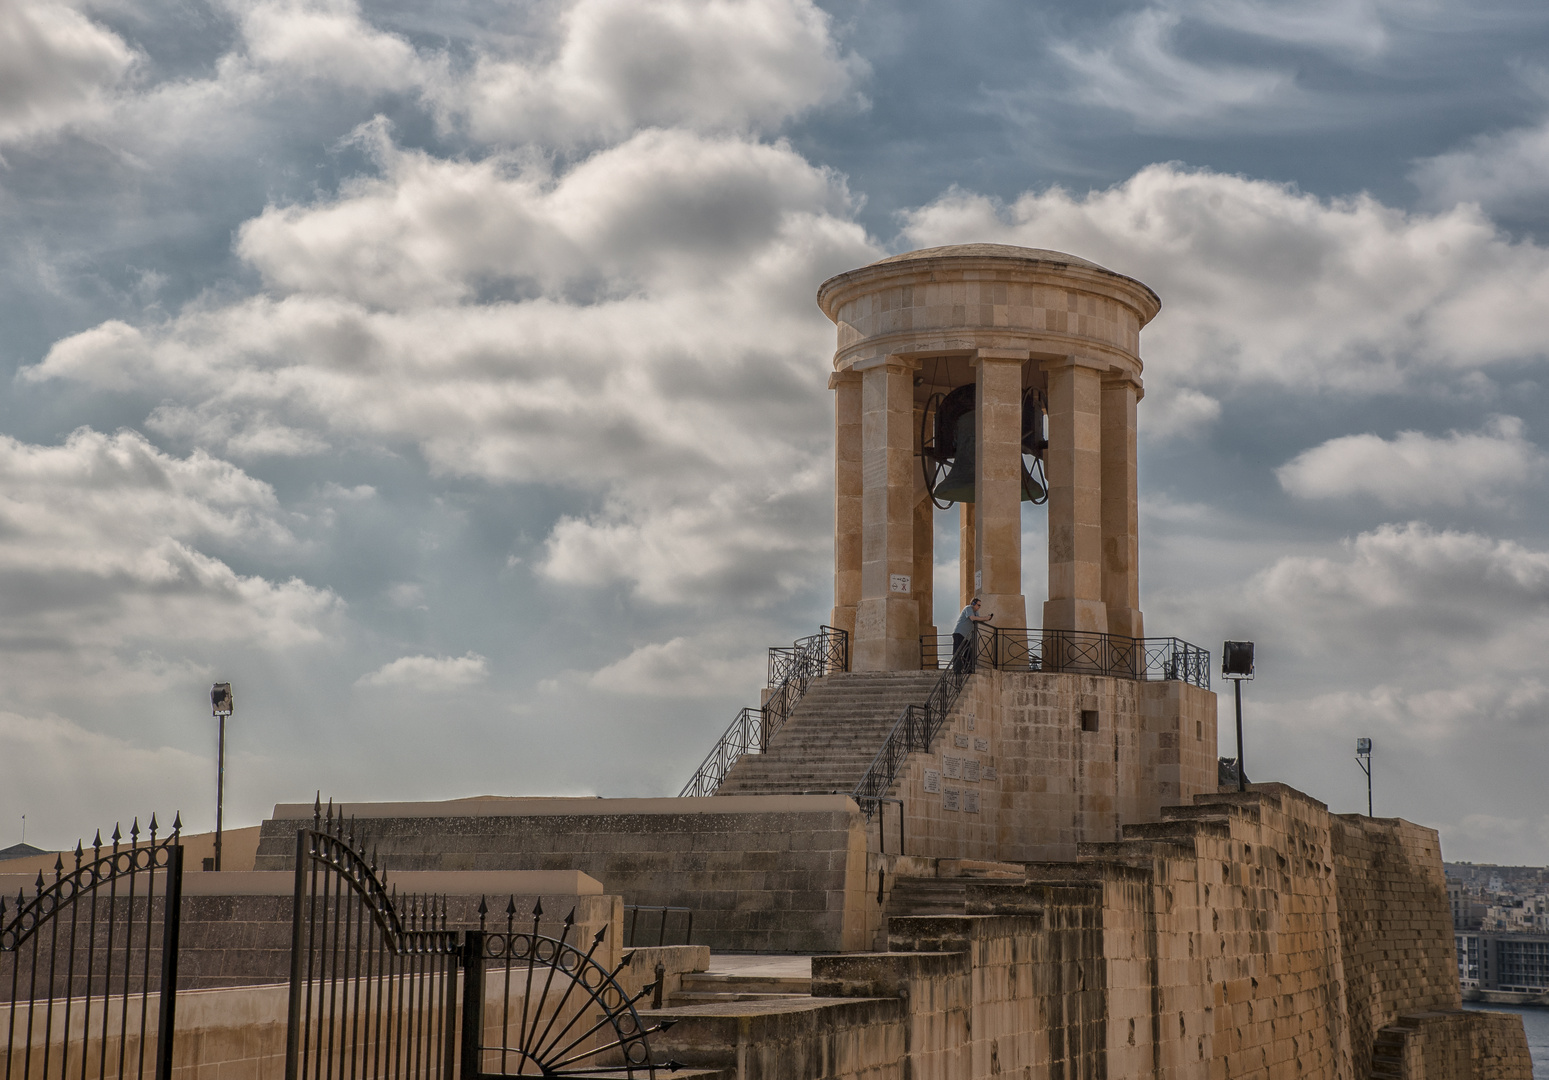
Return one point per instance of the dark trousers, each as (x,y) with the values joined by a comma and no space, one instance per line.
(963,658)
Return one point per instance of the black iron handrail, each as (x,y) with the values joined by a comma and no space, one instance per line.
(916,728)
(791,672)
(632,912)
(1079,652)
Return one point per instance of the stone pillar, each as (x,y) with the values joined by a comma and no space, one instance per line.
(887,618)
(998,485)
(967,583)
(1120,514)
(847,499)
(924,539)
(1074,467)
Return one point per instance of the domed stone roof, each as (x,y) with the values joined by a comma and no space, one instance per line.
(992,251)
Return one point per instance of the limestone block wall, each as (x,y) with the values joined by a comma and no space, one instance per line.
(761,873)
(1444,1045)
(1395,925)
(1016,775)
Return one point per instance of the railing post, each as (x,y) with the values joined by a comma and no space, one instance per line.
(473,1004)
(293,1009)
(172,918)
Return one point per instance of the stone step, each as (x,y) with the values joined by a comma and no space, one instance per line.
(927,896)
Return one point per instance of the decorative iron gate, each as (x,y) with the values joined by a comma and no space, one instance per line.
(87,957)
(574,1018)
(374,992)
(373,976)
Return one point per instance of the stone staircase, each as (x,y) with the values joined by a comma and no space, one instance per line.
(714,988)
(833,735)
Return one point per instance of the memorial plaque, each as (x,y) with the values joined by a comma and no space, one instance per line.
(960,741)
(951,798)
(971,769)
(982,745)
(989,772)
(971,801)
(933,781)
(969,721)
(952,767)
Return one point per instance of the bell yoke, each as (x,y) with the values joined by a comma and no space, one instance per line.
(1013,375)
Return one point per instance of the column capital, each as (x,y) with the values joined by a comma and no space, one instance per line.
(1019,356)
(892,362)
(847,377)
(1120,377)
(1075,360)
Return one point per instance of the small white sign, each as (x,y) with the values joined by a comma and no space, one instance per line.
(952,767)
(932,781)
(989,772)
(960,741)
(971,769)
(982,745)
(951,798)
(899,583)
(969,721)
(971,802)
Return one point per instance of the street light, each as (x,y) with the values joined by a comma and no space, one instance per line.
(220,708)
(1237,665)
(1363,758)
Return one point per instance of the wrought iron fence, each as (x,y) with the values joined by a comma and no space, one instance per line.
(1075,651)
(572,1018)
(99,955)
(632,913)
(791,672)
(916,728)
(373,980)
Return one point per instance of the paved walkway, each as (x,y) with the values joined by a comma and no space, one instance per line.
(789,967)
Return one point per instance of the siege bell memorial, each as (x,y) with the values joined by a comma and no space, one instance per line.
(901,865)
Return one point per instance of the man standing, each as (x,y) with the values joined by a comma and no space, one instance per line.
(964,654)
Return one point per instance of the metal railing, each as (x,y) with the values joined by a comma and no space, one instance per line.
(791,672)
(632,913)
(1075,651)
(916,728)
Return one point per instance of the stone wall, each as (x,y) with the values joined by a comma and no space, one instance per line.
(1444,1045)
(1395,924)
(1015,774)
(761,873)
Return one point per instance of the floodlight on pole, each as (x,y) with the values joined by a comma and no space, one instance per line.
(1363,758)
(1237,665)
(220,707)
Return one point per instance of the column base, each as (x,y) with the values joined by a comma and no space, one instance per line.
(1005,610)
(843,617)
(1126,622)
(1070,614)
(887,635)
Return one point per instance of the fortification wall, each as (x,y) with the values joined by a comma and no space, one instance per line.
(1030,765)
(1395,924)
(761,873)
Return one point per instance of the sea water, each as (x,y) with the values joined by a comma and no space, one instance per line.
(1536,1021)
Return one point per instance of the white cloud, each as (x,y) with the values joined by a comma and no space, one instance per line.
(1262,284)
(1138,70)
(685,667)
(429,673)
(1505,173)
(101,565)
(56,67)
(329,41)
(617,66)
(1415,470)
(1178,412)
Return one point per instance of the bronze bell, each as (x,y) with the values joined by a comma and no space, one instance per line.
(954,446)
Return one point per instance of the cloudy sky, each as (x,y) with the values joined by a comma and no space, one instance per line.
(446,375)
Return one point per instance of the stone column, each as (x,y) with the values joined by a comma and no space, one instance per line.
(847,499)
(1074,467)
(887,618)
(1121,526)
(924,538)
(998,485)
(967,583)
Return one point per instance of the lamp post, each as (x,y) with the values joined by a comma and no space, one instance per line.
(1363,758)
(220,708)
(1237,665)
